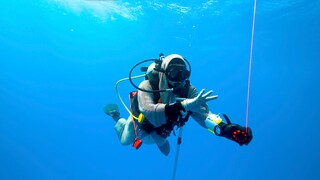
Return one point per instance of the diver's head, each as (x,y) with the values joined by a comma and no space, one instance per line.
(176,70)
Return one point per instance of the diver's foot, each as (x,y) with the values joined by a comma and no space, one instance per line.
(165,148)
(113,111)
(115,115)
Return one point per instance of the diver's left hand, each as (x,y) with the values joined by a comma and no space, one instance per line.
(195,104)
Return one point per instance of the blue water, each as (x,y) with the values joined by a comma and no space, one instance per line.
(60,60)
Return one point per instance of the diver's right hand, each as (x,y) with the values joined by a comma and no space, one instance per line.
(195,104)
(240,134)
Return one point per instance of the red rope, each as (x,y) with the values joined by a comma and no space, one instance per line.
(134,122)
(250,63)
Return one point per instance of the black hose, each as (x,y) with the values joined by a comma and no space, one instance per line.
(150,91)
(144,90)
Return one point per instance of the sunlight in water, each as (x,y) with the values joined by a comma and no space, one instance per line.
(132,10)
(104,9)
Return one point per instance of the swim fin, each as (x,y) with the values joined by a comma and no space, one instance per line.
(112,110)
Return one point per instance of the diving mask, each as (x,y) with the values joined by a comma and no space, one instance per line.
(177,73)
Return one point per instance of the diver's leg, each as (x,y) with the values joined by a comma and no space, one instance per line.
(125,131)
(162,143)
(124,128)
(165,148)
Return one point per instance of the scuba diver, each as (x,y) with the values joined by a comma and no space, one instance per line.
(165,100)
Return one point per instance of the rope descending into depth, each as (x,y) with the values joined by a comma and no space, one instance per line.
(248,93)
(177,154)
(250,63)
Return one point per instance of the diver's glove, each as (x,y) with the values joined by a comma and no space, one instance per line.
(176,114)
(234,132)
(173,110)
(194,104)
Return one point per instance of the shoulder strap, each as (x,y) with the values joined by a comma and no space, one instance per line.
(134,107)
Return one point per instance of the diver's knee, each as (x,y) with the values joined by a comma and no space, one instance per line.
(125,131)
(126,141)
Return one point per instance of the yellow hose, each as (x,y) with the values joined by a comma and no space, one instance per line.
(118,94)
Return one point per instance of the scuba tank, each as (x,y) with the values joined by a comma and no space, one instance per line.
(151,74)
(152,71)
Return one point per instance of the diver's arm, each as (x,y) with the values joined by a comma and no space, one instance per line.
(213,122)
(154,112)
(240,134)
